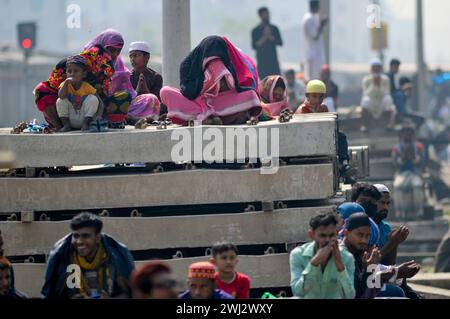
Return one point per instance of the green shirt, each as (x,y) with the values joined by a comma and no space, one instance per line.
(310,282)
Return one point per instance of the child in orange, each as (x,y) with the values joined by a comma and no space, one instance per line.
(316,91)
(315,94)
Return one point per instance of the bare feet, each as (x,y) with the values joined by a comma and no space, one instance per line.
(217,121)
(208,121)
(65,129)
(141,124)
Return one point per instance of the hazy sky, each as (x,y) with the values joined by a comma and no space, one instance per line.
(141,20)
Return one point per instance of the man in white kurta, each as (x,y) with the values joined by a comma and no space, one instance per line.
(314,41)
(377,101)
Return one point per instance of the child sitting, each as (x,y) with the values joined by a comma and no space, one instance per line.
(227,278)
(315,94)
(146,106)
(273,97)
(77,104)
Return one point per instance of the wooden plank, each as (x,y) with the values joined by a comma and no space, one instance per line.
(304,182)
(303,136)
(265,272)
(278,227)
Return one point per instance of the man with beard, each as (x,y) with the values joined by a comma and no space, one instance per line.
(389,240)
(376,200)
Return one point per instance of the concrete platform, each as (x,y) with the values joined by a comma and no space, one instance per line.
(305,135)
(196,187)
(376,144)
(437,280)
(29,277)
(431,292)
(381,169)
(256,228)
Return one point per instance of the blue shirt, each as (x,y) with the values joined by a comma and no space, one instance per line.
(385,229)
(218,294)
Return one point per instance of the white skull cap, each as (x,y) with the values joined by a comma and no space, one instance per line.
(140,46)
(382,188)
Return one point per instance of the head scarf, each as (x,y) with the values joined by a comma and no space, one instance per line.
(346,210)
(270,106)
(111,38)
(77,59)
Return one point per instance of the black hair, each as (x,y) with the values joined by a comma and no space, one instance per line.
(314,5)
(365,189)
(357,221)
(77,60)
(290,71)
(395,62)
(219,248)
(144,53)
(262,10)
(280,84)
(142,278)
(84,220)
(404,80)
(323,220)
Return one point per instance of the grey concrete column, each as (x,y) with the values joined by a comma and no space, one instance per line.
(176,38)
(325,11)
(421,66)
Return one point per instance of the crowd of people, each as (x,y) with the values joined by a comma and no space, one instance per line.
(351,254)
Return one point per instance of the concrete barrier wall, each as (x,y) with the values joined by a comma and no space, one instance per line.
(196,187)
(30,277)
(277,227)
(304,136)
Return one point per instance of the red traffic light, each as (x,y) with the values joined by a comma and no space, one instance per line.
(27,43)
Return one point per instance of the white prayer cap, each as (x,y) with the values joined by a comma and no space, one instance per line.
(140,46)
(382,188)
(376,62)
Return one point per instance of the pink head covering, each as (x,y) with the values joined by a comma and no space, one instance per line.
(111,38)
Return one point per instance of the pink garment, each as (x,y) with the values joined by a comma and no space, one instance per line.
(215,71)
(277,107)
(245,67)
(121,80)
(111,38)
(108,38)
(271,106)
(211,102)
(145,106)
(182,110)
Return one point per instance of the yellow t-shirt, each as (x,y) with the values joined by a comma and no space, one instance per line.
(85,89)
(78,96)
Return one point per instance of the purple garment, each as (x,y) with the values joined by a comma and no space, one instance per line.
(108,38)
(111,38)
(145,106)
